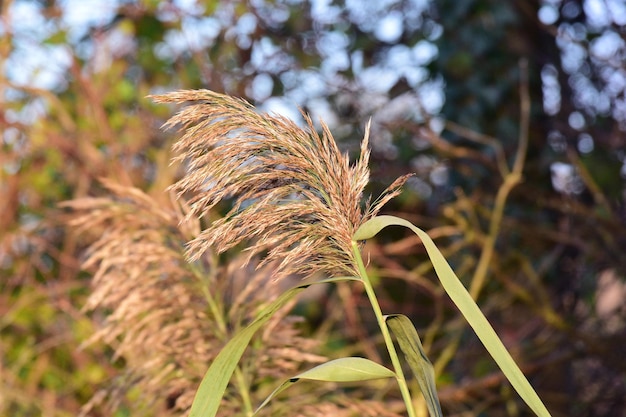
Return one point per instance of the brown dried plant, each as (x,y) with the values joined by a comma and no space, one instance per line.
(295,194)
(158,319)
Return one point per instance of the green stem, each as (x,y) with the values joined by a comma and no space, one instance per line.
(397,366)
(219,316)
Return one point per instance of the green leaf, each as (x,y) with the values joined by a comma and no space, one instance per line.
(466,305)
(350,369)
(411,346)
(346,370)
(370,228)
(209,395)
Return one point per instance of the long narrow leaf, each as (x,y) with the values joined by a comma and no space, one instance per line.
(411,346)
(349,369)
(215,381)
(466,305)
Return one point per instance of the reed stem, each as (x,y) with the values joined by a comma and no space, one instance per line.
(397,366)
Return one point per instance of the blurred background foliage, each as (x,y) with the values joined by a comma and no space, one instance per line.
(444,83)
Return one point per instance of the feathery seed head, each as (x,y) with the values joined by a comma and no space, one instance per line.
(157,316)
(294,192)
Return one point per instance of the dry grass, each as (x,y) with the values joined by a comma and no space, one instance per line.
(157,316)
(294,193)
(169,310)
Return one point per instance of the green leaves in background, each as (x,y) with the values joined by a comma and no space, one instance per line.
(466,305)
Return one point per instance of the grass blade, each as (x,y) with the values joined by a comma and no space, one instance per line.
(209,395)
(459,295)
(349,369)
(422,368)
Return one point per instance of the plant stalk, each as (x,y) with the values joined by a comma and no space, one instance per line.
(397,366)
(218,314)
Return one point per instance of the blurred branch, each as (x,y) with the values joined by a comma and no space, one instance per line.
(65,118)
(460,152)
(510,181)
(522,148)
(401,246)
(483,140)
(587,178)
(466,392)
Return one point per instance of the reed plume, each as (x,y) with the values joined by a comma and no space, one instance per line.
(157,319)
(295,197)
(294,193)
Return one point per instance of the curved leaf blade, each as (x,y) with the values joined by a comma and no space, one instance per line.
(211,390)
(351,369)
(422,368)
(370,228)
(465,303)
